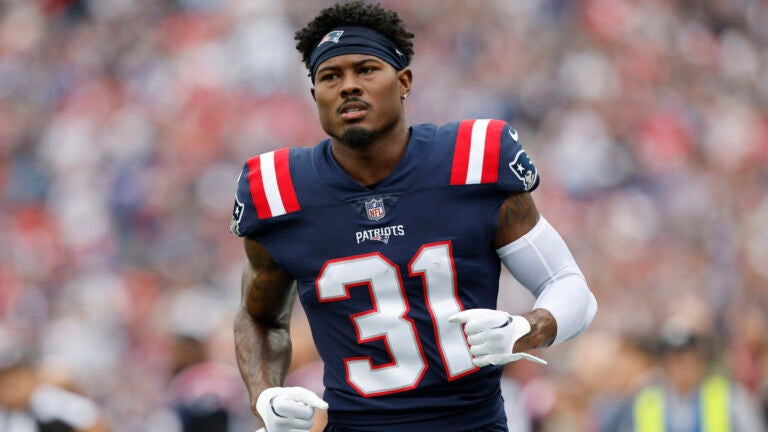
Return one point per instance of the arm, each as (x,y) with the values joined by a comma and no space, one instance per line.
(539,259)
(517,217)
(262,340)
(263,345)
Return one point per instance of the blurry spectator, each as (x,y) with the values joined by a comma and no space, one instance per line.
(29,404)
(689,395)
(204,396)
(203,393)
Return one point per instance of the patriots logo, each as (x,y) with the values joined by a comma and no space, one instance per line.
(523,168)
(333,36)
(384,238)
(375,209)
(237,216)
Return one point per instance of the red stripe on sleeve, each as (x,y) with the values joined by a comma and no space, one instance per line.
(461,153)
(258,195)
(491,154)
(284,182)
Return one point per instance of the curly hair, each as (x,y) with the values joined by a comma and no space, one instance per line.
(372,16)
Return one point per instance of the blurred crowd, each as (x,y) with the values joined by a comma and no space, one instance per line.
(124,123)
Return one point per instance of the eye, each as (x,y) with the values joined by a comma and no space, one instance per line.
(328,76)
(367,69)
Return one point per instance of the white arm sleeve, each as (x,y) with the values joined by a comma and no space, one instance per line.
(541,262)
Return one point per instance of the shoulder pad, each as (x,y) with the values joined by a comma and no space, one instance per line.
(264,190)
(488,151)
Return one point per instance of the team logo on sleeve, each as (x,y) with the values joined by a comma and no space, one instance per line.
(333,36)
(237,216)
(374,208)
(524,169)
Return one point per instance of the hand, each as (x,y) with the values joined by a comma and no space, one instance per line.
(288,409)
(492,335)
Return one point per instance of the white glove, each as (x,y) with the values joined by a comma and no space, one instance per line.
(288,409)
(492,335)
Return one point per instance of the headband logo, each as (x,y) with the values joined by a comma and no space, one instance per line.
(331,37)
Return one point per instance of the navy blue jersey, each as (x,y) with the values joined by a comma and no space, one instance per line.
(381,269)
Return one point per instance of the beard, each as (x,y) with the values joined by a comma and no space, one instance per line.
(357,137)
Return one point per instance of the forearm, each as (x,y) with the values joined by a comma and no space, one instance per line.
(541,262)
(263,353)
(262,336)
(543,330)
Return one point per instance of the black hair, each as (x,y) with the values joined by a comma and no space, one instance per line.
(372,16)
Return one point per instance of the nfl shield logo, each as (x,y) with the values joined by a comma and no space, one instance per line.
(375,209)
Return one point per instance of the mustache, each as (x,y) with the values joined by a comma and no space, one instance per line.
(352,100)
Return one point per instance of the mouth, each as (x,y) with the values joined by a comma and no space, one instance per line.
(353,110)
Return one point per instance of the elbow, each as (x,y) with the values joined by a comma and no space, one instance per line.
(589,313)
(571,303)
(591,310)
(243,320)
(246,319)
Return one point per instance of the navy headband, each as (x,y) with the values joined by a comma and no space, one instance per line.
(355,40)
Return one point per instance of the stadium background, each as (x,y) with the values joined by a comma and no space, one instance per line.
(124,123)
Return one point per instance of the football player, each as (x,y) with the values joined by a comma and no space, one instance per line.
(392,236)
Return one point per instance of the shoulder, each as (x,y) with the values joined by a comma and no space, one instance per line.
(268,179)
(488,151)
(265,187)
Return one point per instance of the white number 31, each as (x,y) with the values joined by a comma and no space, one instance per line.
(388,321)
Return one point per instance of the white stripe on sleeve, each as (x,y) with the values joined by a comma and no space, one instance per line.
(477,151)
(271,188)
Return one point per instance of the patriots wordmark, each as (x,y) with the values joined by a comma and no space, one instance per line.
(380,234)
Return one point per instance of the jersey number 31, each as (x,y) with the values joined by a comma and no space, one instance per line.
(388,319)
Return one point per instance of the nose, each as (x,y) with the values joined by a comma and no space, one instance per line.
(350,86)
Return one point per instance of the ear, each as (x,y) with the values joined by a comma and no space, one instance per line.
(405,78)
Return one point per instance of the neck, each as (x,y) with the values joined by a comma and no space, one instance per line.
(374,162)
